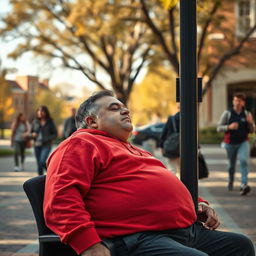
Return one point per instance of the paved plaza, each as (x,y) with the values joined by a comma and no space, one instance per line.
(18,234)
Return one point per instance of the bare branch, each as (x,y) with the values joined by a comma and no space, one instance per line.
(82,39)
(171,56)
(205,28)
(172,31)
(143,60)
(227,56)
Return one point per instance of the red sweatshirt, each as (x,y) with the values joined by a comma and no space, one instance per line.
(100,187)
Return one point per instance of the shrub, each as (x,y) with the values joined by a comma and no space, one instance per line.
(209,135)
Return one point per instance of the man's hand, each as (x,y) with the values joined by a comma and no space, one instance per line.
(233,126)
(34,134)
(96,250)
(207,215)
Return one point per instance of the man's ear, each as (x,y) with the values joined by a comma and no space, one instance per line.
(91,122)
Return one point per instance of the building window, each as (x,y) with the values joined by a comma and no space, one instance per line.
(246,16)
(16,102)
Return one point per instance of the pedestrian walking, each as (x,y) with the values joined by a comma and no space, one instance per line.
(170,146)
(20,130)
(70,124)
(172,128)
(237,123)
(43,131)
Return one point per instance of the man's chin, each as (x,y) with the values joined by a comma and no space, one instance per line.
(128,127)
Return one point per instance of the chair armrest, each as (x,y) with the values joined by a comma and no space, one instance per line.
(49,238)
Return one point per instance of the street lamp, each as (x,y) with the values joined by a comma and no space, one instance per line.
(189,97)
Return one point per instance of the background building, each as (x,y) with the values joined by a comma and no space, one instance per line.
(239,73)
(24,90)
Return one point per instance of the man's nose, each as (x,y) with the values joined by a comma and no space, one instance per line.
(125,110)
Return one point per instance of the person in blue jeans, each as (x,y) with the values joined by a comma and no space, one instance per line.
(43,131)
(237,123)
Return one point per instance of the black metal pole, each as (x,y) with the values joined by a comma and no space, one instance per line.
(188,97)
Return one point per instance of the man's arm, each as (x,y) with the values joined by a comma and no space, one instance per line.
(222,125)
(70,172)
(250,121)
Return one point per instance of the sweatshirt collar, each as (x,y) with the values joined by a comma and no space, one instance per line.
(103,133)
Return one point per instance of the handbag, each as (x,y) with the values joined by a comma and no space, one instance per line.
(202,167)
(29,143)
(171,146)
(253,149)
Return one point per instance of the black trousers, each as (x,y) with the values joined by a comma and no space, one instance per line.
(192,241)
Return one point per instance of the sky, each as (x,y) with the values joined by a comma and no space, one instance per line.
(28,65)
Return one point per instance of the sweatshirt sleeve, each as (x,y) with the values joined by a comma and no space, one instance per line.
(201,200)
(71,169)
(222,125)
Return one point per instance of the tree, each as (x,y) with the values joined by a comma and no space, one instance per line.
(90,36)
(153,96)
(6,108)
(211,18)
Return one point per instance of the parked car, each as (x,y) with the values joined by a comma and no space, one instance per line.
(150,133)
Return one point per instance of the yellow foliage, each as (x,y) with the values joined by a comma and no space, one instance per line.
(167,4)
(155,95)
(55,105)
(6,107)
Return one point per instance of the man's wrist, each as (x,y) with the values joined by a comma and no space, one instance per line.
(203,203)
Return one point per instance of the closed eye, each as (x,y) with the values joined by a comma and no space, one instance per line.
(115,107)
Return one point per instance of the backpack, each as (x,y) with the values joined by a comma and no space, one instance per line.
(171,146)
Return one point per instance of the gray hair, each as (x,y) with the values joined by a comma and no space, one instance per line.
(89,108)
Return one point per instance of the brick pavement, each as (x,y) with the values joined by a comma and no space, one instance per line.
(17,226)
(237,213)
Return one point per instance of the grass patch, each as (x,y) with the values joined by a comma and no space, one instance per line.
(6,152)
(9,152)
(209,135)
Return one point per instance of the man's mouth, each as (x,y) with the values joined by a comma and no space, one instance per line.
(127,118)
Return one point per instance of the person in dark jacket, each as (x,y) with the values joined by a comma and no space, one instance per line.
(43,132)
(173,125)
(169,128)
(70,124)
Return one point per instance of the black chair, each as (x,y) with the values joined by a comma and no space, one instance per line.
(49,243)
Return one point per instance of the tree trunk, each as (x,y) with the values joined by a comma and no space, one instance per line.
(2,124)
(2,133)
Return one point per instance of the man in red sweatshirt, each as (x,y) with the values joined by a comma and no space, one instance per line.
(106,197)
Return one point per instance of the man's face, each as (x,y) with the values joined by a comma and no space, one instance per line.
(113,117)
(238,103)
